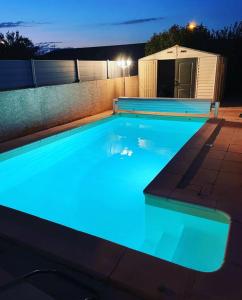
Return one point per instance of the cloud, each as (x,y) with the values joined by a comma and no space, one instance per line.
(48,43)
(19,24)
(11,24)
(135,21)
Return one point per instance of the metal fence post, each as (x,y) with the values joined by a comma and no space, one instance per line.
(216,108)
(34,73)
(108,69)
(77,70)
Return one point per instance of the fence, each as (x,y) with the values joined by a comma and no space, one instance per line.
(16,74)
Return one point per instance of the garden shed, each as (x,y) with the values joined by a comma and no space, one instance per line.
(180,72)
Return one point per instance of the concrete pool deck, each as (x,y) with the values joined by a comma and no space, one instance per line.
(208,171)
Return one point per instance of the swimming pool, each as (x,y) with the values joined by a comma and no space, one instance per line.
(92,178)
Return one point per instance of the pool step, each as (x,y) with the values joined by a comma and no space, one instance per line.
(167,245)
(196,250)
(149,245)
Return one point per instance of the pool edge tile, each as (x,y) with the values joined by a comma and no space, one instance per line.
(152,277)
(76,248)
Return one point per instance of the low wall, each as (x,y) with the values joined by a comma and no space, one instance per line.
(29,110)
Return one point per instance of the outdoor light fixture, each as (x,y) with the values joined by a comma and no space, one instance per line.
(129,62)
(124,64)
(192,25)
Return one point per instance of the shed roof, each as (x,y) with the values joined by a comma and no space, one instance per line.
(173,53)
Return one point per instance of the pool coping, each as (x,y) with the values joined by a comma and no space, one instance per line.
(141,274)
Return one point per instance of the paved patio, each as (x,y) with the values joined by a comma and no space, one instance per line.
(208,171)
(231,113)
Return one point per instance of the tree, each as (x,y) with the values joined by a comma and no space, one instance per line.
(183,36)
(15,46)
(228,42)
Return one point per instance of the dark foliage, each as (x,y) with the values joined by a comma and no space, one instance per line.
(226,41)
(179,35)
(15,46)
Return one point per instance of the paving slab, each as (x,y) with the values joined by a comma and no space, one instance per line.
(158,279)
(223,284)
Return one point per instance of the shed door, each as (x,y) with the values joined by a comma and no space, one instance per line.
(185,77)
(165,78)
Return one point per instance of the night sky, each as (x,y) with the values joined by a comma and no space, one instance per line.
(81,23)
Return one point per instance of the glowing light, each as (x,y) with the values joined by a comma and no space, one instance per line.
(124,63)
(129,62)
(192,25)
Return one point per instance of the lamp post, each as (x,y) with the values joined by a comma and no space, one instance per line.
(124,64)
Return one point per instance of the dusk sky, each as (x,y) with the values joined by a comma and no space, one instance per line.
(78,23)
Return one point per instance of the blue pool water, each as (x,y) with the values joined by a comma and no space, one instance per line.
(92,179)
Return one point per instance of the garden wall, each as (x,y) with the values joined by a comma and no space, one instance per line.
(26,111)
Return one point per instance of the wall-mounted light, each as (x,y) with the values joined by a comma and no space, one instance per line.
(124,63)
(129,62)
